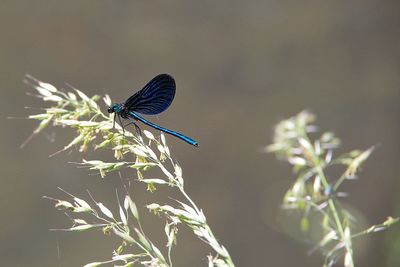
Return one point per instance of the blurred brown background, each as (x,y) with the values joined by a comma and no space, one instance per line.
(240,67)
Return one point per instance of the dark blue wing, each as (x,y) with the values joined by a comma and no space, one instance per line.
(154,98)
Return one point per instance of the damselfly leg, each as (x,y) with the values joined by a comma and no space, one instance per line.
(138,130)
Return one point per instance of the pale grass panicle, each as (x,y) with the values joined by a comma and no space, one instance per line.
(94,129)
(314,195)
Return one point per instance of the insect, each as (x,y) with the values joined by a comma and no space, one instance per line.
(155,97)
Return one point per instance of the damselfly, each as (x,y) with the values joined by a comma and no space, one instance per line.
(155,97)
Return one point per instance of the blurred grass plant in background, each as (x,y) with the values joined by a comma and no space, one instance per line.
(315,194)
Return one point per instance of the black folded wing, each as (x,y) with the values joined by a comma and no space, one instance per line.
(155,97)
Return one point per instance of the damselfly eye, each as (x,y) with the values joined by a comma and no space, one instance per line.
(110,110)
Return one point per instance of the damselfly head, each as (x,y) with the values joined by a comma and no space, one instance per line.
(114,108)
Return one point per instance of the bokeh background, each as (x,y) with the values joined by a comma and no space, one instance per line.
(240,67)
